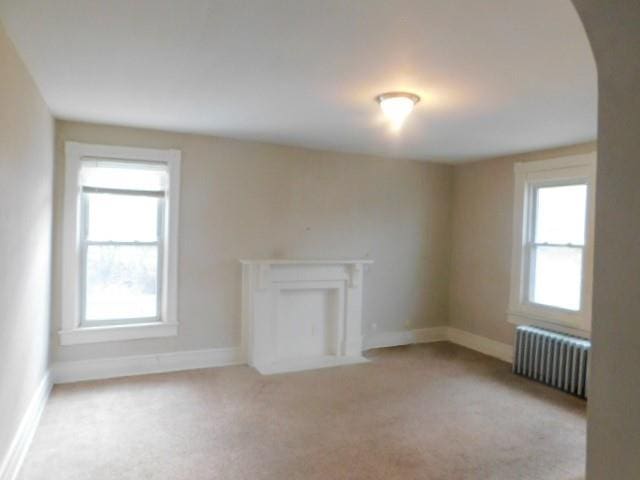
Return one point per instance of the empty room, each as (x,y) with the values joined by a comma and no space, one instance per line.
(319,239)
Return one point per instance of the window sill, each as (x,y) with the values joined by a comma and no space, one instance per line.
(117,333)
(524,318)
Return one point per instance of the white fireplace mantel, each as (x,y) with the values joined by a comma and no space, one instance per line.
(302,314)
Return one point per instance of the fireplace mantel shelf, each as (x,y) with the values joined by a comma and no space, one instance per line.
(305,261)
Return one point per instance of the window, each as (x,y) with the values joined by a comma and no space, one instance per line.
(556,245)
(120,243)
(122,228)
(552,252)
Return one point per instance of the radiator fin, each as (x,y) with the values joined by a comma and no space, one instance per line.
(555,359)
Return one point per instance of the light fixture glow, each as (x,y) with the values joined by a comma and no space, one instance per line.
(397,106)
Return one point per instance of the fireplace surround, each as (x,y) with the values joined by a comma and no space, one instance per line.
(302,314)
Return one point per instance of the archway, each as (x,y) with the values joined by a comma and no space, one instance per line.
(613,444)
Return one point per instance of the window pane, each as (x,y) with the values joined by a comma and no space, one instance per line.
(121,282)
(123,218)
(557,276)
(123,175)
(561,214)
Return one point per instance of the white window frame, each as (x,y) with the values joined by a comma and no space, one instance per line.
(74,331)
(577,169)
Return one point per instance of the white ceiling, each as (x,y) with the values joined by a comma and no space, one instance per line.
(496,76)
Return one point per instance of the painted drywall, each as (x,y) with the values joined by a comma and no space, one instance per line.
(26,177)
(613,444)
(252,200)
(482,230)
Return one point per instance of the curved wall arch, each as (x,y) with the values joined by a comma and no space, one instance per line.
(613,446)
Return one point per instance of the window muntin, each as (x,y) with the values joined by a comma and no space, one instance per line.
(121,244)
(556,247)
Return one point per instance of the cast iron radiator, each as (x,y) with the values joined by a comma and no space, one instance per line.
(556,359)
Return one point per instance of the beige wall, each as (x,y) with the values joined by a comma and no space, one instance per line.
(613,445)
(26,173)
(482,217)
(614,425)
(243,199)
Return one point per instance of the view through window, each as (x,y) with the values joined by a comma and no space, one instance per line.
(557,245)
(122,229)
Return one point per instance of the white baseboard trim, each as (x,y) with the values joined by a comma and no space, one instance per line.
(14,457)
(102,368)
(481,344)
(432,334)
(98,369)
(407,337)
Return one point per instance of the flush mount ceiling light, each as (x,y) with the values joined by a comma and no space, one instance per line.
(397,106)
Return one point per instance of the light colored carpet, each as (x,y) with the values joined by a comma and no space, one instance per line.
(430,412)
